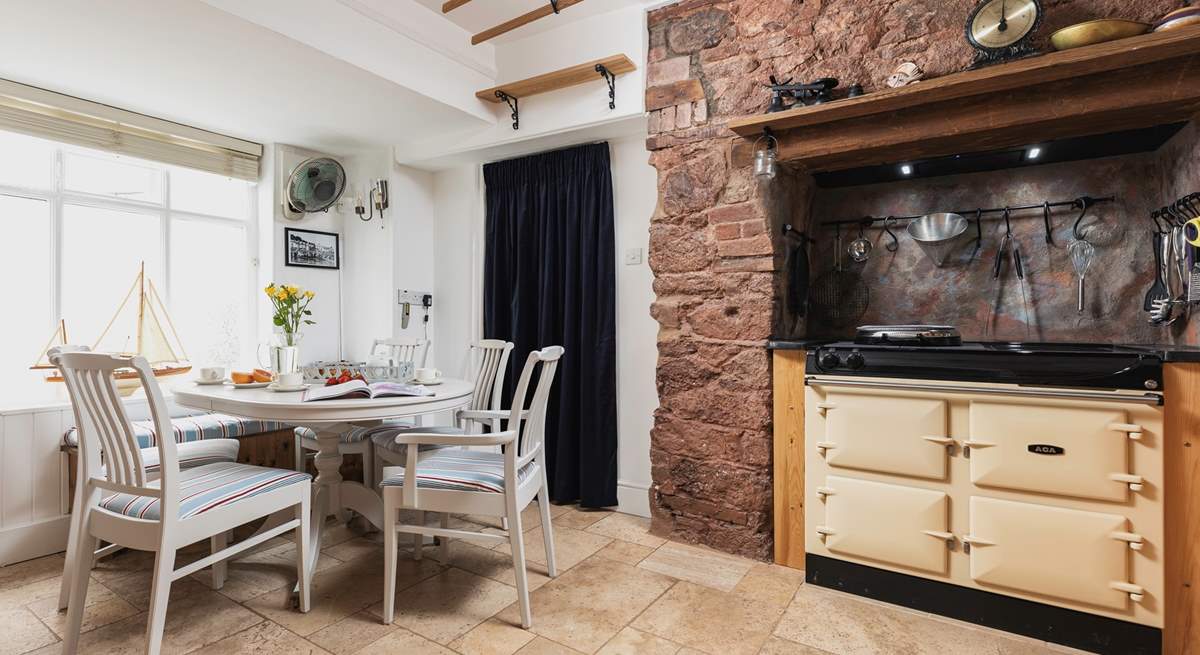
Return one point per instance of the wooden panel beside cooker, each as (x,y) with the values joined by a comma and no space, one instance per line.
(789,457)
(1181,496)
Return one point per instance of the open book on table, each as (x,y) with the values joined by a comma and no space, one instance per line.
(360,389)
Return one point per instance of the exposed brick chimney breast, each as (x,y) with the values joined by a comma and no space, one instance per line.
(714,245)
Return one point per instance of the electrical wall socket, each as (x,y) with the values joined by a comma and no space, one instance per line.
(415,298)
(633,256)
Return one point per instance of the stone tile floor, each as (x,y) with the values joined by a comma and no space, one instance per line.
(620,590)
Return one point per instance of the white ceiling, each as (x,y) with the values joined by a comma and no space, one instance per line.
(479,15)
(188,62)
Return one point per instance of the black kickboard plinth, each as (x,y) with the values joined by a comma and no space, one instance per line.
(1098,634)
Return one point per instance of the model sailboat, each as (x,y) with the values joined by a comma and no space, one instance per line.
(137,328)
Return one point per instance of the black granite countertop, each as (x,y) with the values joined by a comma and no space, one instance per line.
(1168,352)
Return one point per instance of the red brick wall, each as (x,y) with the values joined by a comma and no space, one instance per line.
(713,247)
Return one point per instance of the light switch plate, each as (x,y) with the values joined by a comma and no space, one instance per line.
(633,256)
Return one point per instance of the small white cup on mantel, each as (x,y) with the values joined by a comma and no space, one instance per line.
(212,373)
(427,375)
(290,380)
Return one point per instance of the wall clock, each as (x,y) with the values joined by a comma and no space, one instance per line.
(1001,30)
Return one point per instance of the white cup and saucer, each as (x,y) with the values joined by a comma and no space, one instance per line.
(427,376)
(211,375)
(288,382)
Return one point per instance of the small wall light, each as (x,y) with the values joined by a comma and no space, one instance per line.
(766,158)
(1034,153)
(906,169)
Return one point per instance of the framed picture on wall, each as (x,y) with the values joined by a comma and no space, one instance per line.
(311,249)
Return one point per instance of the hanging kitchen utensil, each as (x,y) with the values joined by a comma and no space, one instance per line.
(1081,253)
(937,234)
(840,296)
(860,248)
(894,244)
(1158,297)
(1009,242)
(797,296)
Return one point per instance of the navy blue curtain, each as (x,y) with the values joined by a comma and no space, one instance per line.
(549,279)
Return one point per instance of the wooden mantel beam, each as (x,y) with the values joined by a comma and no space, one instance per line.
(450,5)
(1056,96)
(520,21)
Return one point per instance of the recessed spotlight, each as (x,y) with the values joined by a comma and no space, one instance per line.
(905,169)
(1034,153)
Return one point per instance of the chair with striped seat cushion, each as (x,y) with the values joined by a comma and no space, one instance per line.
(196,453)
(194,428)
(487,361)
(476,482)
(357,433)
(460,470)
(117,500)
(205,488)
(386,439)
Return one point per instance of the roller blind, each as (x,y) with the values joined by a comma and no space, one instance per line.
(37,112)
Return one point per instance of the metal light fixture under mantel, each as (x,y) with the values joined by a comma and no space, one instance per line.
(766,159)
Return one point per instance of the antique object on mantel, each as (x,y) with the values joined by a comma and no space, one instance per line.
(1000,106)
(1001,30)
(1178,18)
(1096,31)
(904,74)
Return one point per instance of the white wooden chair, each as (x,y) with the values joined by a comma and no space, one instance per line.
(190,454)
(402,349)
(356,441)
(489,360)
(122,506)
(476,482)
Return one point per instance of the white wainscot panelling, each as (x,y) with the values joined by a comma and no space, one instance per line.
(33,502)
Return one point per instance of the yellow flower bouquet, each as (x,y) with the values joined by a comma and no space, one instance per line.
(291,308)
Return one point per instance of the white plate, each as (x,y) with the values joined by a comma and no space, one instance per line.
(282,389)
(250,385)
(430,384)
(206,383)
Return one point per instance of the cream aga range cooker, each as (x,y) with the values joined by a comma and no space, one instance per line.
(1010,485)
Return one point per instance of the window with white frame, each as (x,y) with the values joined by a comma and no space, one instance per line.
(76,225)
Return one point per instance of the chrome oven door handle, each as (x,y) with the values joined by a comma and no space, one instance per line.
(1023,392)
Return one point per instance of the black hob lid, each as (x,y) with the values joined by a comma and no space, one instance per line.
(1091,365)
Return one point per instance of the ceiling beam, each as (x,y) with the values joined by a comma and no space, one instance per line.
(521,21)
(450,5)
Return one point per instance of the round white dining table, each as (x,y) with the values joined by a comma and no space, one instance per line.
(329,419)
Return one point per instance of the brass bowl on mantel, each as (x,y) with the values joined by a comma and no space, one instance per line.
(1096,31)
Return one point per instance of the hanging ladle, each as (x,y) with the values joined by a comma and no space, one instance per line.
(860,248)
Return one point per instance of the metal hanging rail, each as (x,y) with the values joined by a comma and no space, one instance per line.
(1078,203)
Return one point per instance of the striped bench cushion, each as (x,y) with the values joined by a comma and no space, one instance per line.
(460,470)
(194,428)
(358,433)
(206,488)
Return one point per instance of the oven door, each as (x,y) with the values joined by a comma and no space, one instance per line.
(895,524)
(886,433)
(1056,449)
(1052,551)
